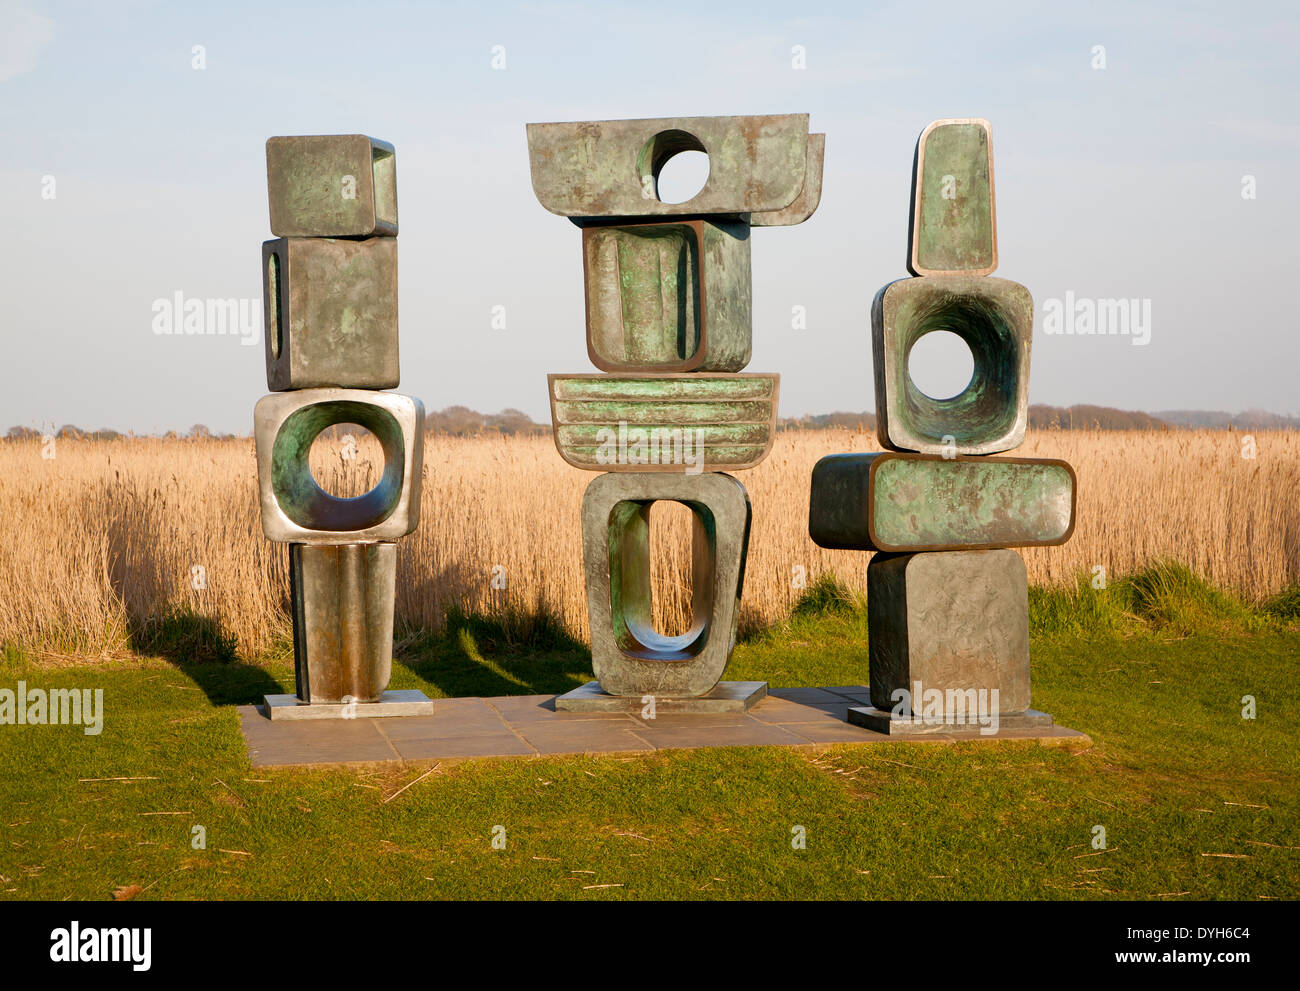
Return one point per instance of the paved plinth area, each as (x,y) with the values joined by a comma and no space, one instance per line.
(528,725)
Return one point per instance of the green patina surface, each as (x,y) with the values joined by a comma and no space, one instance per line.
(667,413)
(296,491)
(337,185)
(702,388)
(604,168)
(577,435)
(954,222)
(668,297)
(920,503)
(908,502)
(733,418)
(994,317)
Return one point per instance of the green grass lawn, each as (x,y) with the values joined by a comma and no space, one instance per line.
(1196,801)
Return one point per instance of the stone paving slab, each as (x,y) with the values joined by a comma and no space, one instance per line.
(529,725)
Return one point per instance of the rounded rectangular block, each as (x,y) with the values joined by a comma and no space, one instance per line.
(610,168)
(809,198)
(955,622)
(629,657)
(668,297)
(295,509)
(921,502)
(343,598)
(954,219)
(687,423)
(331,185)
(330,310)
(995,318)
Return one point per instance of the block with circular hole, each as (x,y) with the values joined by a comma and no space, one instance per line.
(995,319)
(921,502)
(295,509)
(954,218)
(686,423)
(331,185)
(669,296)
(758,166)
(330,309)
(629,656)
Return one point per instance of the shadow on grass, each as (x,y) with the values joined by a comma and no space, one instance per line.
(199,648)
(514,653)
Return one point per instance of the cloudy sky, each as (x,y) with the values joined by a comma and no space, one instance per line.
(128,175)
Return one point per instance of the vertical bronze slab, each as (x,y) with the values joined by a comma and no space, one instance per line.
(343,619)
(954,220)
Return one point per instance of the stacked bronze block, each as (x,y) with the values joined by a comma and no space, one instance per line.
(668,294)
(947,598)
(330,291)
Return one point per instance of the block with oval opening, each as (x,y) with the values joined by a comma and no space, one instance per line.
(330,309)
(954,218)
(611,168)
(923,502)
(295,509)
(331,185)
(995,319)
(686,423)
(668,296)
(629,656)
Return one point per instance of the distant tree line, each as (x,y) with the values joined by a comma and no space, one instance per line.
(461,421)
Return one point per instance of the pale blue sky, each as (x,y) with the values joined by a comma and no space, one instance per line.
(1122,182)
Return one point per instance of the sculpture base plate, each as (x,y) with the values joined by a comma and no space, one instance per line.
(726,696)
(391,703)
(869,717)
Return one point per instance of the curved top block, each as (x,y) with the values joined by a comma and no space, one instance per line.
(610,168)
(953,227)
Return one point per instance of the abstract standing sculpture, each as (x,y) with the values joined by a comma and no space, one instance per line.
(330,290)
(947,599)
(668,320)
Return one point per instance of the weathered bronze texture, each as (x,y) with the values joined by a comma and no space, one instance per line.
(995,318)
(330,313)
(342,620)
(948,620)
(295,508)
(669,296)
(922,502)
(330,291)
(610,423)
(331,185)
(628,655)
(805,205)
(954,218)
(610,168)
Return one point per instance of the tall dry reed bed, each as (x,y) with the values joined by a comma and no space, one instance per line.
(109,537)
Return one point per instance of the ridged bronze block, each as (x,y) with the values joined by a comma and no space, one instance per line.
(664,423)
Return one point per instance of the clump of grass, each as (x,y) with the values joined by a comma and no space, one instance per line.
(187,638)
(1284,605)
(825,596)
